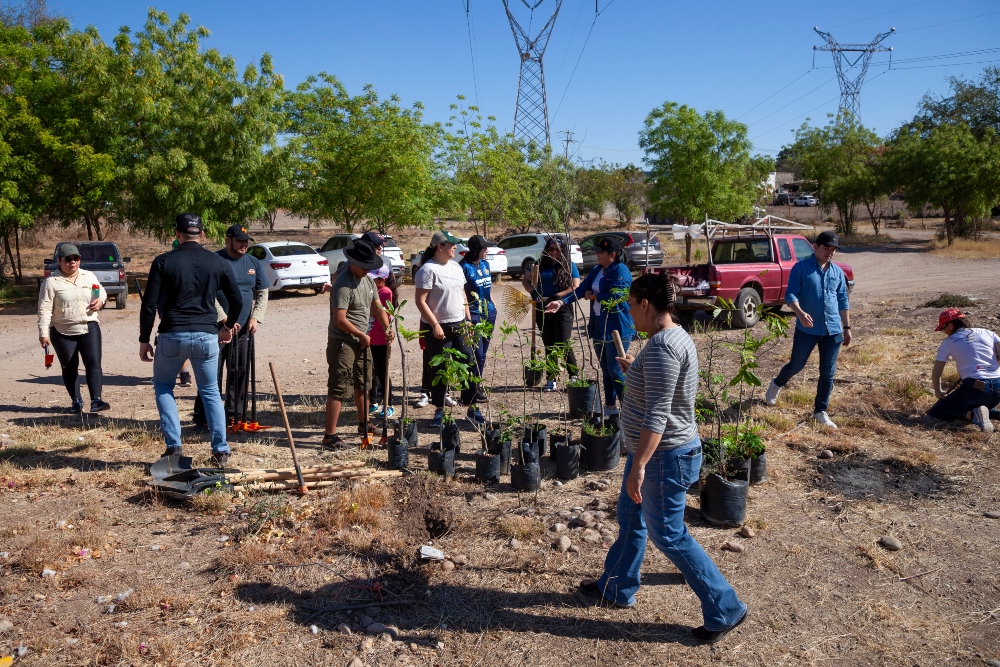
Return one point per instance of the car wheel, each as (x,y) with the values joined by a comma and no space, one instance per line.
(495,277)
(121,299)
(317,290)
(745,314)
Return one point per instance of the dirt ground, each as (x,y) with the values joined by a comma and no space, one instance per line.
(262,579)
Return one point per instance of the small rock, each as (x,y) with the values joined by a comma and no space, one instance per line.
(591,536)
(373,611)
(71,640)
(366,621)
(557,483)
(562,544)
(564,514)
(448,566)
(367,644)
(414,647)
(385,638)
(184,565)
(357,662)
(988,515)
(39,596)
(515,544)
(392,631)
(890,543)
(993,663)
(121,596)
(439,645)
(5,625)
(735,547)
(121,624)
(826,454)
(313,629)
(344,629)
(154,547)
(48,574)
(598,504)
(573,549)
(111,609)
(259,460)
(4,554)
(558,527)
(460,559)
(600,515)
(747,531)
(224,538)
(576,510)
(61,525)
(605,532)
(251,608)
(375,629)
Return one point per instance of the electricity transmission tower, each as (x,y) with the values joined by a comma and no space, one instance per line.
(531,116)
(850,83)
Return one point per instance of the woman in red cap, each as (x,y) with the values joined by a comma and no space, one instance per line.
(977,354)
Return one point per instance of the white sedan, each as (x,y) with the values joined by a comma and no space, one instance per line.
(289,265)
(805,200)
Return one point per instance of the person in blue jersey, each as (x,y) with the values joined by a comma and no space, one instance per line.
(606,287)
(660,432)
(478,285)
(557,278)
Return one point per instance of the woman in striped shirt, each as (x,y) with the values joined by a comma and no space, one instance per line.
(664,460)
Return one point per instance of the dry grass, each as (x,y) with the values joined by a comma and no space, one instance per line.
(798,398)
(212,501)
(965,248)
(38,553)
(520,527)
(360,506)
(907,388)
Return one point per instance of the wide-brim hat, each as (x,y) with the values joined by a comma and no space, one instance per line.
(363,256)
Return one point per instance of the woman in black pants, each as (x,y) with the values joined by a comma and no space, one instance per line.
(557,278)
(440,298)
(67,319)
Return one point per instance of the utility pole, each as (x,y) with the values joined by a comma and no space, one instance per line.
(850,87)
(531,115)
(567,140)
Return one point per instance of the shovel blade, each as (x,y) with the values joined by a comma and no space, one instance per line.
(167,466)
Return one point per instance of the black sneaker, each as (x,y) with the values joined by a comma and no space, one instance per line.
(97,405)
(333,441)
(77,406)
(172,451)
(220,459)
(593,589)
(709,637)
(185,379)
(481,396)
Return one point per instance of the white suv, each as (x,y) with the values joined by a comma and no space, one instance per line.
(335,246)
(525,249)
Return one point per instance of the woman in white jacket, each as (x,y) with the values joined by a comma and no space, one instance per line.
(67,319)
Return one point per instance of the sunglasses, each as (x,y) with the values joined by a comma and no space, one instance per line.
(74,258)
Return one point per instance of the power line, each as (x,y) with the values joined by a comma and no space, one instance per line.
(808,71)
(597,14)
(974,62)
(825,83)
(935,25)
(949,55)
(472,51)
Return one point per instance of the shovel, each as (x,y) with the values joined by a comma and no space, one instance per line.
(252,425)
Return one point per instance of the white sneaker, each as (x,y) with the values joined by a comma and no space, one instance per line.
(823,419)
(610,412)
(550,386)
(449,401)
(423,401)
(981,418)
(771,397)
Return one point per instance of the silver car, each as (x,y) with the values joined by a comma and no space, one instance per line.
(525,249)
(335,246)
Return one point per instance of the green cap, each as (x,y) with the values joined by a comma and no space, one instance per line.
(68,250)
(444,236)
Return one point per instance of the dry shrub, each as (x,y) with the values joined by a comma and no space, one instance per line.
(776,421)
(124,477)
(212,501)
(797,397)
(520,527)
(907,388)
(360,506)
(243,556)
(878,558)
(14,530)
(966,248)
(38,553)
(137,436)
(144,596)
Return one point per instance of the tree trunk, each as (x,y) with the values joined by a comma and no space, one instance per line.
(687,249)
(97,228)
(17,246)
(272,217)
(948,226)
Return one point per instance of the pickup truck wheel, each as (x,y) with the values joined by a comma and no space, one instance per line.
(121,299)
(745,315)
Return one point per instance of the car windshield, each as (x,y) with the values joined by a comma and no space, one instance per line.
(98,252)
(742,250)
(389,243)
(287,250)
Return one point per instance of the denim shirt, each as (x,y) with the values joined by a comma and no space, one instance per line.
(617,281)
(822,294)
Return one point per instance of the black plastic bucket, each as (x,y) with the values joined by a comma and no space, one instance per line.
(492,434)
(399,453)
(601,452)
(539,434)
(737,468)
(441,456)
(724,502)
(531,377)
(525,477)
(528,453)
(504,457)
(487,468)
(583,400)
(758,469)
(567,460)
(451,437)
(555,440)
(410,434)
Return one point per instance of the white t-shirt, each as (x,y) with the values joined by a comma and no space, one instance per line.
(974,352)
(446,283)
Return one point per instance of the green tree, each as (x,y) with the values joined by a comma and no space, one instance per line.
(592,184)
(627,189)
(556,197)
(701,165)
(975,103)
(358,158)
(837,157)
(949,168)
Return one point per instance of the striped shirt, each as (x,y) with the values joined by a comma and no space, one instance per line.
(660,389)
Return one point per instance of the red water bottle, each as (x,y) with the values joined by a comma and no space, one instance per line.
(49,357)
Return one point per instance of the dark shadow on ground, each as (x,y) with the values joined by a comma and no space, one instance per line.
(109,380)
(859,476)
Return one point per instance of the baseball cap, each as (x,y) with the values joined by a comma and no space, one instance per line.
(68,250)
(828,239)
(381,272)
(188,223)
(238,232)
(444,236)
(609,244)
(948,315)
(374,238)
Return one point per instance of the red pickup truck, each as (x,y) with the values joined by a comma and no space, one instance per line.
(750,270)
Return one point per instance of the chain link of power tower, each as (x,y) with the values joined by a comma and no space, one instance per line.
(850,86)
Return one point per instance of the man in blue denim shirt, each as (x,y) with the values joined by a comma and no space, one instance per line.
(817,292)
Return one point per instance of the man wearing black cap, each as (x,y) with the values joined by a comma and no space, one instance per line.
(188,279)
(353,301)
(817,293)
(253,287)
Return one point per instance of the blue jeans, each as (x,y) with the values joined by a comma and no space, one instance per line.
(802,347)
(484,342)
(611,371)
(172,349)
(966,398)
(668,475)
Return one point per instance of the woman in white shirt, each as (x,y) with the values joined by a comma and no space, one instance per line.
(441,300)
(977,354)
(67,319)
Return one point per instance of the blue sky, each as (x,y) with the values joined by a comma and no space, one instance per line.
(752,60)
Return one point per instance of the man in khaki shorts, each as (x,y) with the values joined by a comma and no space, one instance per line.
(353,301)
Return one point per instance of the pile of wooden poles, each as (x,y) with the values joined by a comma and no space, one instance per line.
(285,479)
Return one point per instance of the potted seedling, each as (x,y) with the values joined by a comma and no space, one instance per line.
(453,372)
(405,429)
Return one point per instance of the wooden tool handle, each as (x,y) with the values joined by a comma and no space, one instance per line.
(618,343)
(288,429)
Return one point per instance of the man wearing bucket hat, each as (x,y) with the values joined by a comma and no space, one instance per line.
(817,293)
(353,301)
(977,354)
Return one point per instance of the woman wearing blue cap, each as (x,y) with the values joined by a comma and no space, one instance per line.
(478,287)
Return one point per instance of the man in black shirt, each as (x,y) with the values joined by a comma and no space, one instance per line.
(188,278)
(253,286)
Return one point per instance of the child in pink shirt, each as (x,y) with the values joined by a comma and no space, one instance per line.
(378,342)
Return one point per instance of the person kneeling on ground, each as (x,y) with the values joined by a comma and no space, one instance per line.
(353,300)
(977,354)
(664,459)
